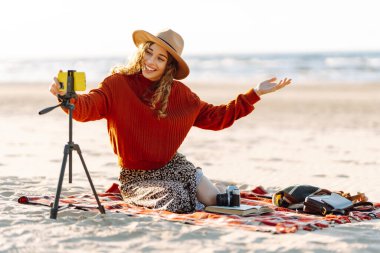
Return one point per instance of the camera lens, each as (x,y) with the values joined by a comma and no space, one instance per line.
(222,199)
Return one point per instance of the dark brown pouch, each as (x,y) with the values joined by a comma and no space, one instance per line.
(327,204)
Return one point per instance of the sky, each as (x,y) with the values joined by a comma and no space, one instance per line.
(52,28)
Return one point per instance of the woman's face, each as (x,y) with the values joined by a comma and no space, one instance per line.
(154,62)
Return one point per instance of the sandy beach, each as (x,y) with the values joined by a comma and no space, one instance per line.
(318,134)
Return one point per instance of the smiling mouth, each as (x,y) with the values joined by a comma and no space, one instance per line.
(149,69)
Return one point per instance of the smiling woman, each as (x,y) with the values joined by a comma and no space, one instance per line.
(149,114)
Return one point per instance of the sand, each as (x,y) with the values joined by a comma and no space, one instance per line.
(318,134)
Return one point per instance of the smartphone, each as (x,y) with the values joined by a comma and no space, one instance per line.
(79,81)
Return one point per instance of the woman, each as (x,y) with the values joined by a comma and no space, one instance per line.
(149,115)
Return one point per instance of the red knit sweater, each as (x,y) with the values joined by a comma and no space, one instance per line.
(139,138)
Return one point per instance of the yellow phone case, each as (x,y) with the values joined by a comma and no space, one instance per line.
(79,81)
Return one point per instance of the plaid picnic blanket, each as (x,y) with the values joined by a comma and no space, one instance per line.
(281,220)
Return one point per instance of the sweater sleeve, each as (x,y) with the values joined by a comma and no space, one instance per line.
(219,117)
(93,106)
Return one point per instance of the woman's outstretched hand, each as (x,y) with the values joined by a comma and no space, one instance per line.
(271,85)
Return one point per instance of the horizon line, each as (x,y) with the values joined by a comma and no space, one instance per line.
(125,55)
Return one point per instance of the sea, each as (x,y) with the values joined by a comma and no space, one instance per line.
(302,68)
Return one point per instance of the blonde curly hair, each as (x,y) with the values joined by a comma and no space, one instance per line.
(160,98)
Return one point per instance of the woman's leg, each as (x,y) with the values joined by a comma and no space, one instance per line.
(206,192)
(163,195)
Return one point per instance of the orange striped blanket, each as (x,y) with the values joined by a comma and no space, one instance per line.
(282,220)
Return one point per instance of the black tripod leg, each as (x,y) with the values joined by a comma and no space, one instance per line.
(71,164)
(54,209)
(100,207)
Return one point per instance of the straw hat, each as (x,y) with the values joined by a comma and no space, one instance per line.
(169,40)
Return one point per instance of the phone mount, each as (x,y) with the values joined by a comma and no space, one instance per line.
(69,147)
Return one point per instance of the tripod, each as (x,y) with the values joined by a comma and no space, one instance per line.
(69,147)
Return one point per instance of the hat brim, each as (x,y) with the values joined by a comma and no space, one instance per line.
(141,36)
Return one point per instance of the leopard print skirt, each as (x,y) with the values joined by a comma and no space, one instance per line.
(172,187)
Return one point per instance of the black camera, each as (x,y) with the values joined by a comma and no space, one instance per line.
(230,198)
